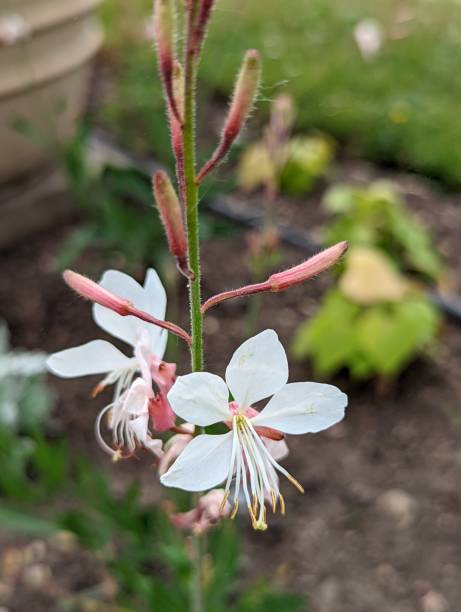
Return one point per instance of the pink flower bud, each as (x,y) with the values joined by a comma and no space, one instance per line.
(92,291)
(165,33)
(245,91)
(313,266)
(203,18)
(178,87)
(161,413)
(174,447)
(210,509)
(283,280)
(171,216)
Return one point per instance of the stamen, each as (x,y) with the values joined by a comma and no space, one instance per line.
(276,465)
(294,482)
(115,454)
(224,501)
(236,509)
(282,504)
(274,500)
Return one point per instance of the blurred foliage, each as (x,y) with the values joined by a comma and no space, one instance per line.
(306,159)
(375,340)
(25,401)
(119,213)
(377,216)
(378,319)
(25,404)
(400,106)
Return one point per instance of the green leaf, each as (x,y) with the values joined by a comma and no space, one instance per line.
(390,338)
(329,336)
(26,524)
(261,598)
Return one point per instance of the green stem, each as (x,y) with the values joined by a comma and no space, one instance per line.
(193,236)
(192,216)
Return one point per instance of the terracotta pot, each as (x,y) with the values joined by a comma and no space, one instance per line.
(46,49)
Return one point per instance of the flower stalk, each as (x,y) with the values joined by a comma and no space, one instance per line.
(90,290)
(286,279)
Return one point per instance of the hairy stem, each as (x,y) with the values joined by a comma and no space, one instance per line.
(192,215)
(193,237)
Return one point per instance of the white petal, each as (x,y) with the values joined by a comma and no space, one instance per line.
(200,398)
(95,357)
(203,464)
(150,298)
(258,369)
(154,302)
(137,398)
(139,427)
(303,407)
(125,328)
(154,295)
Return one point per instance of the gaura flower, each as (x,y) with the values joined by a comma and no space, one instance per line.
(258,369)
(134,402)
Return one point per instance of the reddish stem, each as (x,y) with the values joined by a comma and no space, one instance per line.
(236,293)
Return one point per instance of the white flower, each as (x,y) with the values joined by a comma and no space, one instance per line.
(257,370)
(130,407)
(368,35)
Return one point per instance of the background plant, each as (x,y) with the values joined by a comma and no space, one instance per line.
(380,318)
(384,107)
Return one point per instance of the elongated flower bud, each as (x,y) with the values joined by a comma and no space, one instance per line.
(165,35)
(245,91)
(203,18)
(302,272)
(177,140)
(92,291)
(178,87)
(171,215)
(288,278)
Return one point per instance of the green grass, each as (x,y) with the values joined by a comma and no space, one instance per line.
(401,108)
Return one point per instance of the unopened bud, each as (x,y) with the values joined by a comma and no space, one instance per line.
(203,18)
(211,508)
(302,272)
(92,291)
(178,87)
(244,95)
(170,212)
(287,278)
(165,33)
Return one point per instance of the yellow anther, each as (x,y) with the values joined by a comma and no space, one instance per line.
(295,483)
(282,504)
(255,504)
(235,510)
(253,517)
(273,500)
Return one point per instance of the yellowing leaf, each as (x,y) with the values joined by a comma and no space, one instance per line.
(256,168)
(370,278)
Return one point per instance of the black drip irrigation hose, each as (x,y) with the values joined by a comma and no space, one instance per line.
(247,216)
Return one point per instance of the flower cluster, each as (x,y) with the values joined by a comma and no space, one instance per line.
(203,431)
(149,399)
